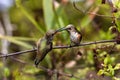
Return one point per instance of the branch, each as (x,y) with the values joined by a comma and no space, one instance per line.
(84,44)
(57,72)
(58,47)
(100,15)
(18,53)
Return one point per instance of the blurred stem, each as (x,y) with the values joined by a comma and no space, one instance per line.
(84,12)
(16,41)
(24,11)
(48,13)
(6,31)
(31,19)
(17,38)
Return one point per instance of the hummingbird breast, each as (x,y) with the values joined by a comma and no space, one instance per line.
(75,37)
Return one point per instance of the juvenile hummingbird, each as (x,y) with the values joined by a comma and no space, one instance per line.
(75,35)
(44,45)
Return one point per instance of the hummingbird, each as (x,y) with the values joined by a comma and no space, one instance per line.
(75,35)
(44,45)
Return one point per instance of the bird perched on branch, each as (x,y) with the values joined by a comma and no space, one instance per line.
(75,35)
(44,46)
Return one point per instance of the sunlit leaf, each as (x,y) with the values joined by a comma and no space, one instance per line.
(100,72)
(30,17)
(117,66)
(15,41)
(48,13)
(111,69)
(107,60)
(6,72)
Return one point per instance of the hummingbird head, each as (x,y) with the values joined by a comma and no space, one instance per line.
(49,35)
(69,28)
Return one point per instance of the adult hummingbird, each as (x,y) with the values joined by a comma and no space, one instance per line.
(75,35)
(44,45)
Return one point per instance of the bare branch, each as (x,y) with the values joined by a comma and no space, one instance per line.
(18,53)
(17,60)
(57,72)
(59,47)
(84,12)
(84,44)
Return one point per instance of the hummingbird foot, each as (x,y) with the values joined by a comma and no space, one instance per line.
(73,45)
(76,44)
(70,45)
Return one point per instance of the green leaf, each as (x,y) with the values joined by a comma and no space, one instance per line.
(21,43)
(31,70)
(117,66)
(24,38)
(48,13)
(106,35)
(85,21)
(111,70)
(107,73)
(90,57)
(6,72)
(110,66)
(115,78)
(15,41)
(107,60)
(27,14)
(62,17)
(100,72)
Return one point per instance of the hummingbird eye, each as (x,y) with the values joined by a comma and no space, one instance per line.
(52,34)
(69,28)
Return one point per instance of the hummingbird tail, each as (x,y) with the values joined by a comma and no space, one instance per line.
(37,61)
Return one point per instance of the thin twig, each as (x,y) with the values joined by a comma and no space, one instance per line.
(82,11)
(18,53)
(84,44)
(59,47)
(58,72)
(17,60)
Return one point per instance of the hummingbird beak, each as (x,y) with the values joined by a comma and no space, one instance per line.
(61,29)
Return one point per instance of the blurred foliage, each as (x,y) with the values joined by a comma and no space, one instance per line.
(31,19)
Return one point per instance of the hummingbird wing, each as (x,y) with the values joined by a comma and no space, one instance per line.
(79,37)
(44,52)
(43,49)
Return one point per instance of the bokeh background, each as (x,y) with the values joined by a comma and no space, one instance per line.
(23,22)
